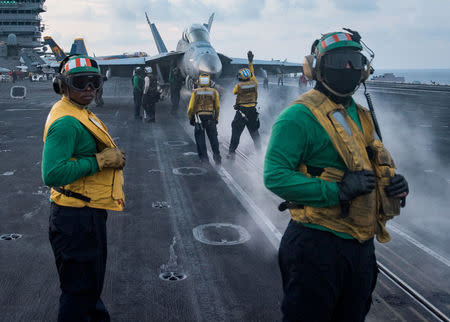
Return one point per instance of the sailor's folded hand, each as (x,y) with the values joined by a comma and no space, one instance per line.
(110,158)
(398,188)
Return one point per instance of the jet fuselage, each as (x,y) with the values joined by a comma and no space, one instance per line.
(199,56)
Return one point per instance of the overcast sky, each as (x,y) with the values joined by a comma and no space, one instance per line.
(402,33)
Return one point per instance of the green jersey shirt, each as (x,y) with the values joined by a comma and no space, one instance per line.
(69,153)
(297,137)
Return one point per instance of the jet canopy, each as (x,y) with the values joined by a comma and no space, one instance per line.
(196,32)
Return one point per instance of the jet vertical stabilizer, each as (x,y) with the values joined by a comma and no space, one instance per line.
(210,21)
(158,40)
(57,51)
(78,47)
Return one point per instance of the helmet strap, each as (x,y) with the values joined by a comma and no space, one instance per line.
(339,94)
(332,95)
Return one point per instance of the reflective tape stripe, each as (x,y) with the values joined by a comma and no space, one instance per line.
(72,64)
(344,37)
(78,62)
(93,120)
(342,121)
(248,86)
(335,38)
(204,93)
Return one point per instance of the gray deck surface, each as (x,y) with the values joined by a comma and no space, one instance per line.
(224,282)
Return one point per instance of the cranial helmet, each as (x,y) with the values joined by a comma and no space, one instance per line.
(78,72)
(79,64)
(204,80)
(337,62)
(148,70)
(139,71)
(244,74)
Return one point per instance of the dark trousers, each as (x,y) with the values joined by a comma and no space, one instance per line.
(78,239)
(325,277)
(251,121)
(148,104)
(208,125)
(137,96)
(175,99)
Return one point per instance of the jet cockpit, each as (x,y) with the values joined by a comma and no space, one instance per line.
(196,33)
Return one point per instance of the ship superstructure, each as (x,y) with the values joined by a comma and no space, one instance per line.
(20,28)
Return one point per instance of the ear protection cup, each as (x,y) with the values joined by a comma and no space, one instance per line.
(310,63)
(59,78)
(57,84)
(308,67)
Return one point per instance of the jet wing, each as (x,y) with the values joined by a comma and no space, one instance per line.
(162,62)
(224,59)
(137,61)
(270,66)
(163,58)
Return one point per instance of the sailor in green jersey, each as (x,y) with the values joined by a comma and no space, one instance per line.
(318,161)
(83,167)
(138,87)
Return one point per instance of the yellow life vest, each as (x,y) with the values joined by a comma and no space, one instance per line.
(204,101)
(247,94)
(367,213)
(104,188)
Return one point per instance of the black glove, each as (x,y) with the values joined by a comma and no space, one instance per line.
(397,186)
(217,121)
(192,121)
(356,183)
(250,56)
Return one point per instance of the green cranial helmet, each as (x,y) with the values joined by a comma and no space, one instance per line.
(334,40)
(80,64)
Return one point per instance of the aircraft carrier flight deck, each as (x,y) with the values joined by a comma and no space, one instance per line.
(197,242)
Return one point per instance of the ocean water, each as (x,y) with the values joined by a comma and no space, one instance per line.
(424,76)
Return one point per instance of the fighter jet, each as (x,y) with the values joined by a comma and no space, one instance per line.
(195,55)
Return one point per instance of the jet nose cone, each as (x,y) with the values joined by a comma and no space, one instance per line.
(210,64)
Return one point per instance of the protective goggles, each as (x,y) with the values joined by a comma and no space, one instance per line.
(81,82)
(341,60)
